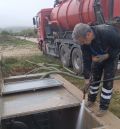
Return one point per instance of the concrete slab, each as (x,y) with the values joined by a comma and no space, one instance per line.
(29,85)
(40,101)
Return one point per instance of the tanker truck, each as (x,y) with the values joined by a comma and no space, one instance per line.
(55,26)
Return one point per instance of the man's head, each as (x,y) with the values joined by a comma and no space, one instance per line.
(83,34)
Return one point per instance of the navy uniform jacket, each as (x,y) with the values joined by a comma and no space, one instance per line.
(107,40)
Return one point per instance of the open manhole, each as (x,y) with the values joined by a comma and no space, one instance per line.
(56,119)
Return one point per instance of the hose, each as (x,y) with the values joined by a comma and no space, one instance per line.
(111,79)
(81,78)
(60,72)
(68,73)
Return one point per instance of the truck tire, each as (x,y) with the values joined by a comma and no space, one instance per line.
(77,61)
(64,56)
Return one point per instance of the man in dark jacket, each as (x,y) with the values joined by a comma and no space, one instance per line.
(100,47)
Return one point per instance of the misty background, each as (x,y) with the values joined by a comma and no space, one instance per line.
(19,13)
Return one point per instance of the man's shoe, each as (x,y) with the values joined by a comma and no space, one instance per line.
(101,113)
(89,104)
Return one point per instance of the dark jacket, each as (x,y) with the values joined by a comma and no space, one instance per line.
(107,40)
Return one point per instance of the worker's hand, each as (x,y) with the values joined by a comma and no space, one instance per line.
(100,58)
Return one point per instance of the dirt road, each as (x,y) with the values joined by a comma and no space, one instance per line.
(14,51)
(27,38)
(20,50)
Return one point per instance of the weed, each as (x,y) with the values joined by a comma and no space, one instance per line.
(6,40)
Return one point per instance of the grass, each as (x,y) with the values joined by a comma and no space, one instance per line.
(17,66)
(6,40)
(13,66)
(77,82)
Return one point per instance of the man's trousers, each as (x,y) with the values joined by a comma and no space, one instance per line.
(106,69)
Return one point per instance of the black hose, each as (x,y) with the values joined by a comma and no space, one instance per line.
(111,79)
(78,77)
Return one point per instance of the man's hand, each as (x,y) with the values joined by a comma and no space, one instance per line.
(100,58)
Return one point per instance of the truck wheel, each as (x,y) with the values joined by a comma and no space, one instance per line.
(64,56)
(77,61)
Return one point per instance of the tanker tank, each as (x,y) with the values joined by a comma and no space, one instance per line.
(70,12)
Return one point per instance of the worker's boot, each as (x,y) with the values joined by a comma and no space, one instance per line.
(90,104)
(101,113)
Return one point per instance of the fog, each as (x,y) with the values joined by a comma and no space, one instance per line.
(20,12)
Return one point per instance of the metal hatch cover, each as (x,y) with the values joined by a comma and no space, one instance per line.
(29,85)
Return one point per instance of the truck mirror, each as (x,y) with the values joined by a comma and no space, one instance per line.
(34,21)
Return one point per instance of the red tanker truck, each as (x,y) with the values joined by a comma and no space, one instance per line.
(55,26)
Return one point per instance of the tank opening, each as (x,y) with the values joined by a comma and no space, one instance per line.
(55,119)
